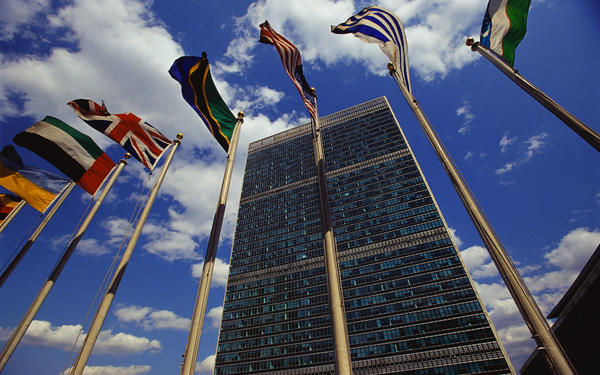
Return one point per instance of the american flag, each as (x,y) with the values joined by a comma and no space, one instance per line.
(143,141)
(292,63)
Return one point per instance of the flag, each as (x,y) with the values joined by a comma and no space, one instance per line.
(292,63)
(377,25)
(39,188)
(69,150)
(139,138)
(199,91)
(8,202)
(504,26)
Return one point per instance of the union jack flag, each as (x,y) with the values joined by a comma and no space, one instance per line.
(292,63)
(139,138)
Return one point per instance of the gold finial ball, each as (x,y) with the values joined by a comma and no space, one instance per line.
(179,136)
(240,114)
(470,41)
(127,155)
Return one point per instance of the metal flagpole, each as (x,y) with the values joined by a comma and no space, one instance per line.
(19,332)
(13,264)
(12,214)
(191,348)
(336,299)
(524,300)
(92,336)
(571,121)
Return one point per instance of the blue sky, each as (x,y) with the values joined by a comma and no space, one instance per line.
(536,180)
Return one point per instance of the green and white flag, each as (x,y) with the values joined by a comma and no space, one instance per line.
(504,26)
(69,150)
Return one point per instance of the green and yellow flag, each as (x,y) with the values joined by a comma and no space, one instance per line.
(198,89)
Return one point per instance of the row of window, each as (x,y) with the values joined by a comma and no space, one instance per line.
(408,255)
(356,239)
(372,271)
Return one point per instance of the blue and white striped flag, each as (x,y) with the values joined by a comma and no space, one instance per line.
(377,25)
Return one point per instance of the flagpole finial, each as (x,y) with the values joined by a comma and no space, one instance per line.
(127,155)
(470,41)
(240,115)
(313,91)
(179,136)
(391,68)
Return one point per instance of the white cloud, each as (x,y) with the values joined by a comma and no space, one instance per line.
(150,318)
(465,111)
(436,33)
(533,145)
(506,141)
(215,315)
(42,333)
(574,249)
(547,282)
(16,13)
(220,272)
(90,246)
(206,366)
(112,370)
(479,263)
(457,240)
(506,168)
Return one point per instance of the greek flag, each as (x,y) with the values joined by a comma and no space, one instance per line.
(377,25)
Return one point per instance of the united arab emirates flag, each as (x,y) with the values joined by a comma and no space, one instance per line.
(69,150)
(200,92)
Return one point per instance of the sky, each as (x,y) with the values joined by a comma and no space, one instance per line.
(536,180)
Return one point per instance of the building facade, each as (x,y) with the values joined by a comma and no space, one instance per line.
(410,304)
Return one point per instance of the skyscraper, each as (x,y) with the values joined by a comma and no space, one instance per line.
(410,305)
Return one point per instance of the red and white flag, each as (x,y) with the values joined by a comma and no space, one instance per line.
(142,140)
(292,63)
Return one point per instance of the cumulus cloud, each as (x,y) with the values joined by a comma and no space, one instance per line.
(220,272)
(16,13)
(150,318)
(43,333)
(479,263)
(206,366)
(547,282)
(215,315)
(435,32)
(457,240)
(112,370)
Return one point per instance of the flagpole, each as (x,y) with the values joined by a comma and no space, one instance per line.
(343,363)
(20,330)
(15,261)
(193,342)
(94,331)
(531,313)
(12,214)
(585,132)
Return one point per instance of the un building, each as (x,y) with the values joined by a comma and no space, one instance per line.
(410,304)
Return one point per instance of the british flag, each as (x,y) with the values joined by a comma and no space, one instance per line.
(142,140)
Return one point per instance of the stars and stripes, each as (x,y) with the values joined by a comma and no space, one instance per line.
(292,63)
(143,141)
(377,25)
